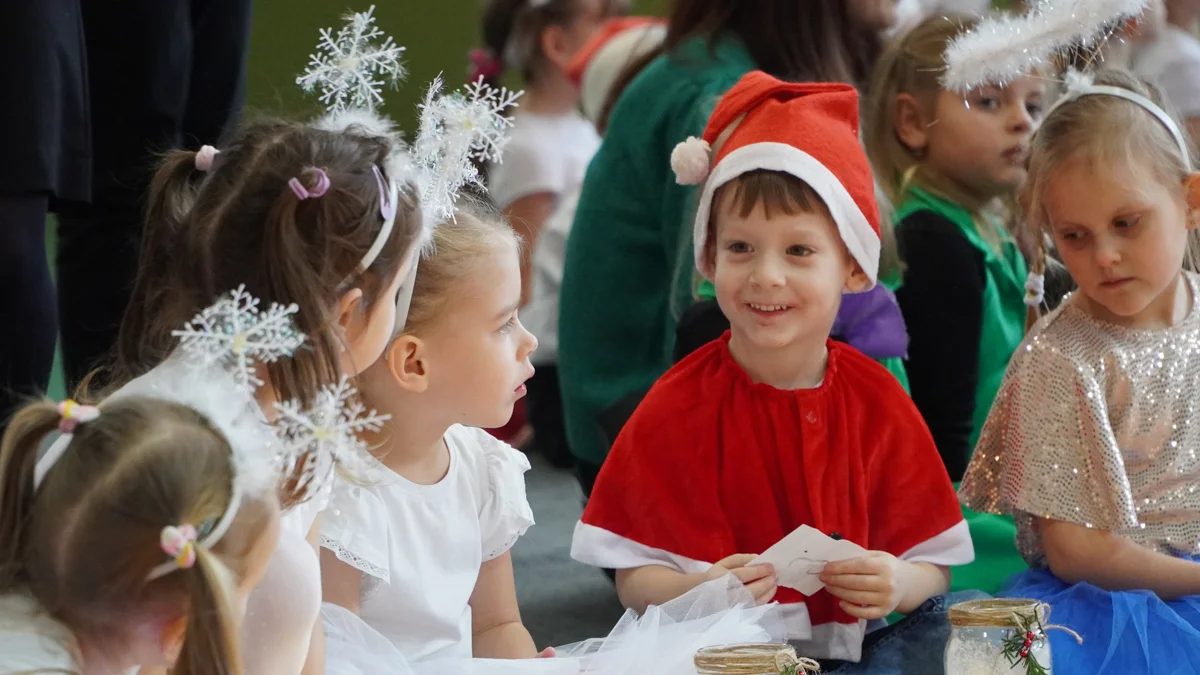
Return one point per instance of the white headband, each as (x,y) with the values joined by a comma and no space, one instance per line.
(1080,85)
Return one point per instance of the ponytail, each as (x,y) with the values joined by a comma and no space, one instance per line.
(18,457)
(172,194)
(211,642)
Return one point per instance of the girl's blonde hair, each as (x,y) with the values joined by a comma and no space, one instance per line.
(85,540)
(912,65)
(1108,131)
(477,229)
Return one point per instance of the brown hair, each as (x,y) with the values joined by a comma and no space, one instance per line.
(512,30)
(1083,128)
(240,223)
(477,229)
(85,541)
(798,40)
(775,191)
(912,65)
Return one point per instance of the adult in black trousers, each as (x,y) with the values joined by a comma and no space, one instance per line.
(162,74)
(45,159)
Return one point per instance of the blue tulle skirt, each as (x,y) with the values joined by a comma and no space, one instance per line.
(1126,632)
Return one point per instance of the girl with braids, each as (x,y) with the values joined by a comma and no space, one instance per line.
(1091,443)
(136,538)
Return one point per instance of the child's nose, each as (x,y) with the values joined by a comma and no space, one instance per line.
(530,343)
(767,272)
(1020,120)
(1107,255)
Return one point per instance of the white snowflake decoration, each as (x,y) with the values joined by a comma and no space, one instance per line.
(325,435)
(458,129)
(233,332)
(349,68)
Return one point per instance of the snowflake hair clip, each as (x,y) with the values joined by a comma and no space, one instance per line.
(326,435)
(233,332)
(1000,49)
(349,67)
(458,129)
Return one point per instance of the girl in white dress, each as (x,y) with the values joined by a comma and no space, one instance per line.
(137,536)
(319,217)
(418,546)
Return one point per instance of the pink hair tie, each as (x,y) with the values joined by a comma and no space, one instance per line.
(318,190)
(74,414)
(180,544)
(485,65)
(204,158)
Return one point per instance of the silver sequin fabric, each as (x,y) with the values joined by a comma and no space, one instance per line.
(1096,424)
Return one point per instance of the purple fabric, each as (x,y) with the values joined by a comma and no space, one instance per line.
(871,323)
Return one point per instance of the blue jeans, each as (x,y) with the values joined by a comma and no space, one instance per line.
(915,645)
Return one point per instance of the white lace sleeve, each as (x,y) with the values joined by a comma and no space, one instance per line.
(505,514)
(357,530)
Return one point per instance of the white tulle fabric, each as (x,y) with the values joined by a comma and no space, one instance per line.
(283,610)
(663,641)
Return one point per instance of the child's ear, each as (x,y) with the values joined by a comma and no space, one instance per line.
(910,125)
(349,316)
(556,46)
(408,363)
(1191,193)
(170,640)
(858,281)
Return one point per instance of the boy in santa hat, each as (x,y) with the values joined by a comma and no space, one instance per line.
(774,426)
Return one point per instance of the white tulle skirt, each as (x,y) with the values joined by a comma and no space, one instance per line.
(663,641)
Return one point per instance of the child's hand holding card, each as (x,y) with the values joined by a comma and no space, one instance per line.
(799,558)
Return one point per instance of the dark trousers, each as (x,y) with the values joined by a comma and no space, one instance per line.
(543,405)
(162,74)
(28,325)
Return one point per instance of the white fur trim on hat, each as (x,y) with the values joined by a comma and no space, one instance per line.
(689,161)
(861,239)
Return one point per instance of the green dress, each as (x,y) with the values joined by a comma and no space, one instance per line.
(1004,313)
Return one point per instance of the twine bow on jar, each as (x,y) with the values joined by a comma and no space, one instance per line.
(753,659)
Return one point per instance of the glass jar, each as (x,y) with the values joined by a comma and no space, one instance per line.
(997,637)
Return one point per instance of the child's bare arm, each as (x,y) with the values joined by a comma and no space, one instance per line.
(641,587)
(495,617)
(341,584)
(1112,562)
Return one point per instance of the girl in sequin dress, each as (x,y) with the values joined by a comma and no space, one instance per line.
(1092,442)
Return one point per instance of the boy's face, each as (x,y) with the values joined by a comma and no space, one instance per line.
(780,280)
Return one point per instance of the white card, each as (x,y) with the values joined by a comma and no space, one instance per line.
(799,557)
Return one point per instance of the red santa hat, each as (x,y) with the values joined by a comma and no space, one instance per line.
(616,44)
(808,130)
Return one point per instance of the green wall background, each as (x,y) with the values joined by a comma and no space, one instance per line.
(438,35)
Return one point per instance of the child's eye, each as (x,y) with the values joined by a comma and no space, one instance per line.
(987,103)
(737,247)
(1126,222)
(1034,110)
(799,250)
(509,325)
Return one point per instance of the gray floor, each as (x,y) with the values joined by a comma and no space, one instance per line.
(562,601)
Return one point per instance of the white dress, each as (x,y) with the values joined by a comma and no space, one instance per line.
(1172,61)
(33,642)
(420,547)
